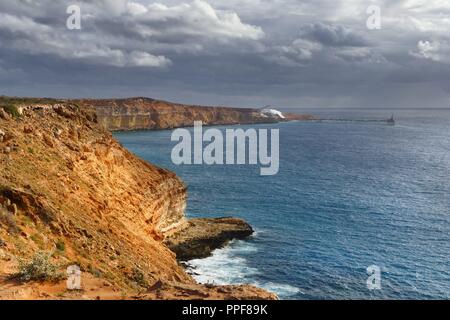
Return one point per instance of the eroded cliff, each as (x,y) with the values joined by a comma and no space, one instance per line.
(69,189)
(145,113)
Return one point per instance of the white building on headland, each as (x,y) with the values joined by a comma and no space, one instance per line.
(272,113)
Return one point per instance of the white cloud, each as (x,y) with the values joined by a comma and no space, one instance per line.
(197,19)
(299,53)
(422,6)
(433,50)
(144,59)
(123,33)
(136,8)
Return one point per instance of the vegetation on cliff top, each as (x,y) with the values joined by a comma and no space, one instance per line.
(10,104)
(18,100)
(11,109)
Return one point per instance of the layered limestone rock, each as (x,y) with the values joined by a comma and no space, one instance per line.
(201,236)
(66,183)
(145,113)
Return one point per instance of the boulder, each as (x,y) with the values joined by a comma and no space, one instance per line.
(48,141)
(57,133)
(4,115)
(28,129)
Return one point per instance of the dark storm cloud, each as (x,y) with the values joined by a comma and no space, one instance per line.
(238,52)
(333,35)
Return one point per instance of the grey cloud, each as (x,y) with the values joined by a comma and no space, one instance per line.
(326,42)
(333,35)
(124,33)
(238,52)
(299,53)
(437,51)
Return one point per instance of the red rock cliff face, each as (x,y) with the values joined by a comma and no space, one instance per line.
(78,185)
(144,113)
(64,179)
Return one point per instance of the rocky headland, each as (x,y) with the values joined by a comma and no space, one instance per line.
(71,194)
(150,114)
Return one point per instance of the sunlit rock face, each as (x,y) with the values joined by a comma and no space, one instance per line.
(65,180)
(144,113)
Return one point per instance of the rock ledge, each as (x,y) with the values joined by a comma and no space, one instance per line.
(201,236)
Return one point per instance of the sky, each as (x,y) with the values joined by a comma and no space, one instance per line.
(248,53)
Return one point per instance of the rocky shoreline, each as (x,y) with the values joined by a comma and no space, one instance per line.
(71,194)
(202,236)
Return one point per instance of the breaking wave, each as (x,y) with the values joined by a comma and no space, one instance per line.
(229,265)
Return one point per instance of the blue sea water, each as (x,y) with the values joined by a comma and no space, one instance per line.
(347,196)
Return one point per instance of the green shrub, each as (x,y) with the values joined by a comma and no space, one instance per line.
(11,109)
(15,100)
(61,246)
(39,268)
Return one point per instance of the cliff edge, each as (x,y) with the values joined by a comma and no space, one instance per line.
(150,114)
(69,191)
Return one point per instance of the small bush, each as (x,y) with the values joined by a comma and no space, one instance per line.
(61,246)
(39,268)
(12,110)
(138,277)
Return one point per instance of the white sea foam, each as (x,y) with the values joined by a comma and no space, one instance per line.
(229,266)
(282,290)
(225,266)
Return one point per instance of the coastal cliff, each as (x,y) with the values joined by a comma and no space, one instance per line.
(150,114)
(70,191)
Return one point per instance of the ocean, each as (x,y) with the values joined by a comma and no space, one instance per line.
(348,195)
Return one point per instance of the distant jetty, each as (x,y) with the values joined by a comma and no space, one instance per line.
(390,121)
